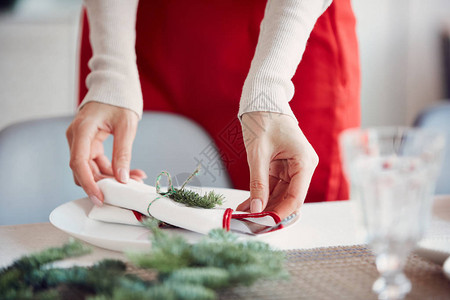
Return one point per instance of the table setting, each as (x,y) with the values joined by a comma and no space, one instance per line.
(391,240)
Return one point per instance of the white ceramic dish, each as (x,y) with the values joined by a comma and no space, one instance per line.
(446,268)
(435,249)
(321,226)
(436,244)
(72,217)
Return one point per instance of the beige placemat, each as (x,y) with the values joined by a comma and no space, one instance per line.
(341,273)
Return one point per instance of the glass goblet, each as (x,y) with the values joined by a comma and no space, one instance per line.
(392,172)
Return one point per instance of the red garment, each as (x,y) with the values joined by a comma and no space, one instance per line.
(193,58)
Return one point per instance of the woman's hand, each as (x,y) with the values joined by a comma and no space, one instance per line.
(281,162)
(90,127)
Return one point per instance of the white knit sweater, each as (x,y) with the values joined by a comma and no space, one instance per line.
(285,29)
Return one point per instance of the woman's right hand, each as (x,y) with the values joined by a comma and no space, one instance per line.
(90,127)
(281,163)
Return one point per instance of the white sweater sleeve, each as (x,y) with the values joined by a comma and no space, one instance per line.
(114,77)
(284,32)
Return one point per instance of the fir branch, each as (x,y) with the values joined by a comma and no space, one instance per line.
(158,260)
(186,291)
(17,292)
(188,197)
(210,277)
(71,249)
(185,271)
(245,261)
(13,279)
(168,252)
(11,283)
(100,278)
(194,199)
(127,292)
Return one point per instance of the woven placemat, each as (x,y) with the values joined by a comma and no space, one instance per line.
(341,273)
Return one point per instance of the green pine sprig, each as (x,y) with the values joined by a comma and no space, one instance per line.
(189,197)
(194,199)
(184,271)
(243,261)
(15,280)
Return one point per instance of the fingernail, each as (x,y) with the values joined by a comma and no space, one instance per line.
(95,200)
(124,175)
(256,206)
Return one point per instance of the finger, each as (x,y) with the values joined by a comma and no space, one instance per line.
(279,169)
(295,194)
(96,171)
(124,134)
(277,196)
(75,180)
(244,206)
(259,181)
(69,141)
(138,173)
(284,208)
(300,180)
(284,205)
(273,182)
(138,179)
(104,165)
(96,198)
(79,163)
(69,135)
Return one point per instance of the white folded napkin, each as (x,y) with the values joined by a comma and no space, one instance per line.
(114,214)
(122,199)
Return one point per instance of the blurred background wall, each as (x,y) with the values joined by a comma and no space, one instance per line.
(38,46)
(402,60)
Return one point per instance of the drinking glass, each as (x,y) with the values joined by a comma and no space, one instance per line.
(392,174)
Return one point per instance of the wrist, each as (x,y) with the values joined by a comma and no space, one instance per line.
(264,99)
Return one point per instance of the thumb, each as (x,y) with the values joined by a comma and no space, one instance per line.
(124,135)
(259,183)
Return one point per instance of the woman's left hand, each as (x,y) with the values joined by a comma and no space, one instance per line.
(281,162)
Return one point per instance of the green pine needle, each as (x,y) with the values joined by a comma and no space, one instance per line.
(15,280)
(243,261)
(210,277)
(71,249)
(188,291)
(194,199)
(184,271)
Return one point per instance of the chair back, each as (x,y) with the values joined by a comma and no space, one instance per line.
(438,117)
(34,162)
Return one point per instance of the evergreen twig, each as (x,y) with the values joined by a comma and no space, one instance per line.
(184,271)
(194,199)
(189,197)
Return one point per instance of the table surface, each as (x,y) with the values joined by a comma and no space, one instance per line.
(331,271)
(323,224)
(320,225)
(18,240)
(345,272)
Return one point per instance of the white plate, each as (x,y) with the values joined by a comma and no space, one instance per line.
(72,217)
(446,268)
(436,244)
(322,225)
